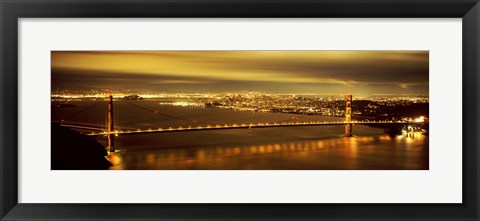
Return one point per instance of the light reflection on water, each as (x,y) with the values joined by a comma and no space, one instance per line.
(372,152)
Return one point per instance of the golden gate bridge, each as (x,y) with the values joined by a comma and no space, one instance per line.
(110,132)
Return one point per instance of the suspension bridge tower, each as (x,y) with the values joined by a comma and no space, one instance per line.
(348,115)
(110,125)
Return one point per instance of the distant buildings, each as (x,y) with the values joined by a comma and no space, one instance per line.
(388,107)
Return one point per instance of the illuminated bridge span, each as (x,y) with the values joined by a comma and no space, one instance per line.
(242,126)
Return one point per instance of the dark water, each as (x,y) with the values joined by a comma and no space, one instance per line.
(306,148)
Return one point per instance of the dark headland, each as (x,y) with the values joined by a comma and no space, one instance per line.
(74,151)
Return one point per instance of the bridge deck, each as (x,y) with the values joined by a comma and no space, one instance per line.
(235,126)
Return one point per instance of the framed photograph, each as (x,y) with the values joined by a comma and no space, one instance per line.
(321,110)
(146,114)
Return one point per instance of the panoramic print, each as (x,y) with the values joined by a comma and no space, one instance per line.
(239,110)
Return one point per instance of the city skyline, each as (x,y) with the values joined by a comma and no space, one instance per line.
(363,73)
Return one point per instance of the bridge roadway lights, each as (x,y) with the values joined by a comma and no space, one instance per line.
(348,127)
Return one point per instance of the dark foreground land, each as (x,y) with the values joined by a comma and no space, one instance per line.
(74,151)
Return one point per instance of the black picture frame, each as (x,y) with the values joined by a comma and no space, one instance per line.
(12,10)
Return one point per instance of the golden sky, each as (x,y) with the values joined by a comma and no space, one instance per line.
(364,72)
